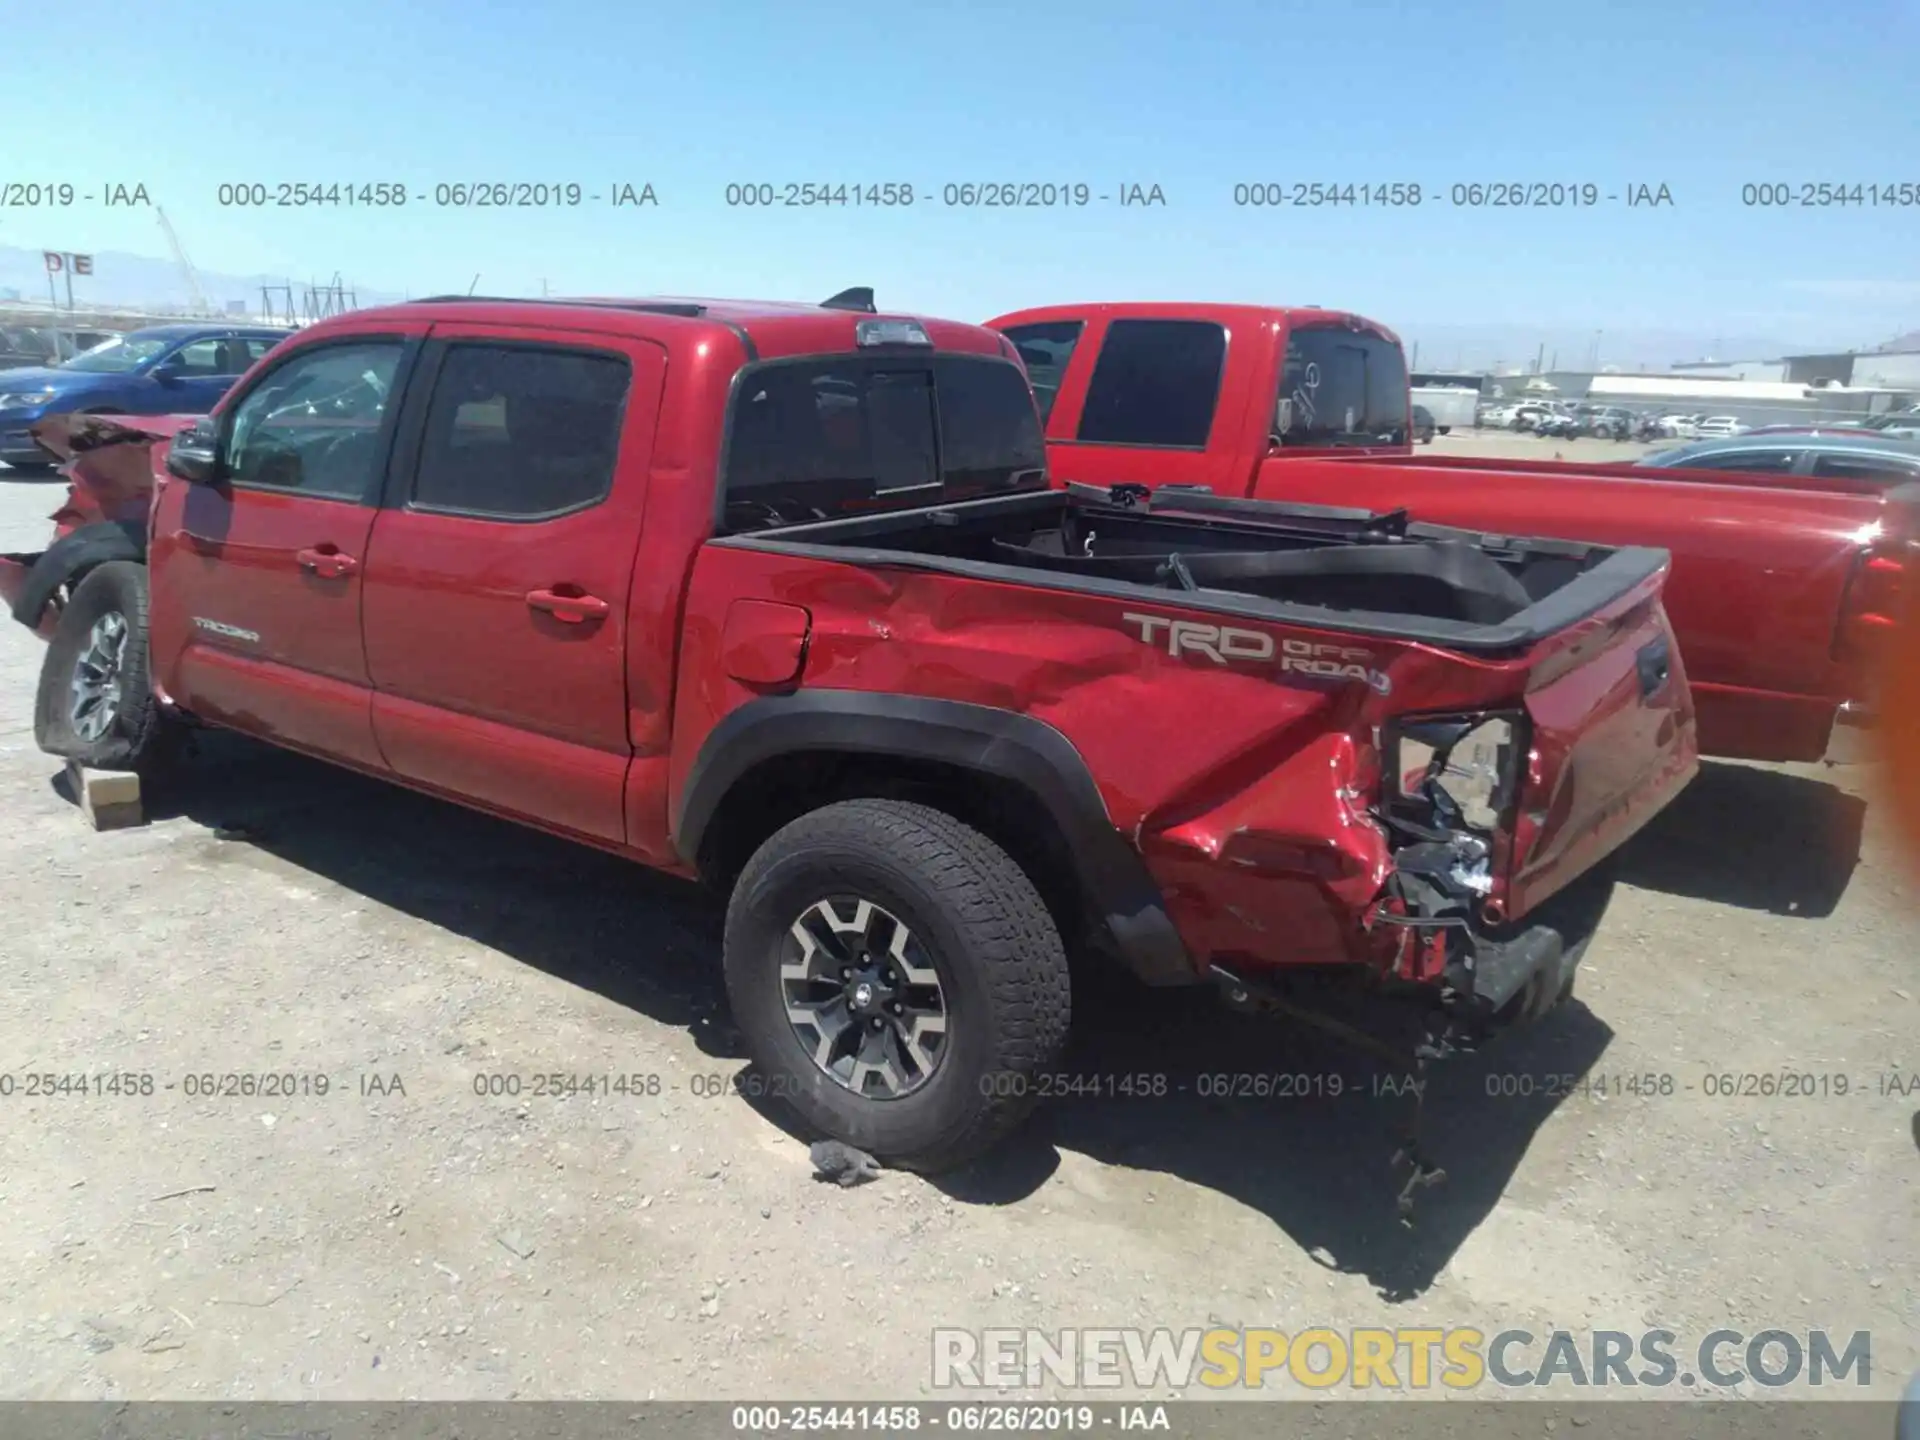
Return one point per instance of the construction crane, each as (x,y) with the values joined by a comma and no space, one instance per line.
(200,305)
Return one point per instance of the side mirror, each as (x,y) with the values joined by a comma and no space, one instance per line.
(168,370)
(194,455)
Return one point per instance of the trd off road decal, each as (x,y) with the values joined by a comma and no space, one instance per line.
(1229,645)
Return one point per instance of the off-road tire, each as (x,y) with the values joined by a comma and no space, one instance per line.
(989,934)
(136,738)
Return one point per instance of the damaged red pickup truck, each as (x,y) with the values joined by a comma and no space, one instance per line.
(779,596)
(1782,590)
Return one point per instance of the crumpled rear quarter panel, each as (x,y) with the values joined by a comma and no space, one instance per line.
(1245,790)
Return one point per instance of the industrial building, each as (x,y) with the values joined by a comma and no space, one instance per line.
(1826,389)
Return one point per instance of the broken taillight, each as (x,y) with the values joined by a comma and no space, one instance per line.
(1871,609)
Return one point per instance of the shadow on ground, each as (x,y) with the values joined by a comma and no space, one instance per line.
(1759,839)
(1297,1125)
(642,939)
(1318,1161)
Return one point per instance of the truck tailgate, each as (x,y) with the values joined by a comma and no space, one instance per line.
(1613,740)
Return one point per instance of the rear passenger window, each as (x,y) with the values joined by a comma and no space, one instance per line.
(521,433)
(1155,383)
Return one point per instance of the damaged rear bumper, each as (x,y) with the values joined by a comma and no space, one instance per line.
(1484,976)
(1494,983)
(1532,963)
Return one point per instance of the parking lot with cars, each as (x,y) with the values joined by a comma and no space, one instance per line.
(378,1097)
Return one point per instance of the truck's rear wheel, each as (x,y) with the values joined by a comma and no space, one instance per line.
(94,703)
(897,978)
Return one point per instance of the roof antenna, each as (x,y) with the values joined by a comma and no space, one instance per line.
(860,298)
(476,283)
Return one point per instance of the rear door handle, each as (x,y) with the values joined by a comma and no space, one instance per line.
(573,609)
(327,562)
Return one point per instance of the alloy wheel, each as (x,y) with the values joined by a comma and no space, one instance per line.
(94,702)
(863,997)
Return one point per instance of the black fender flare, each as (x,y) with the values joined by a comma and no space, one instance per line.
(72,553)
(1017,748)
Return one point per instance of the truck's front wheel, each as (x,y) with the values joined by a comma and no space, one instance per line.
(897,979)
(94,704)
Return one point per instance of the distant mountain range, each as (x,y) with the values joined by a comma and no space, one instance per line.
(127,280)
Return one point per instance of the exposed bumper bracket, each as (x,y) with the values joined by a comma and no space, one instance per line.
(1440,1037)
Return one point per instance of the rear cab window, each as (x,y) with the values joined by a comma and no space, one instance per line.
(1340,386)
(831,436)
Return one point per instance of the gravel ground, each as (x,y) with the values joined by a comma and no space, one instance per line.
(405,1237)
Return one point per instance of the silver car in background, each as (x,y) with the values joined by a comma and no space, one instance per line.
(1852,455)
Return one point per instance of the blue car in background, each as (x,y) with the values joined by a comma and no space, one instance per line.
(164,370)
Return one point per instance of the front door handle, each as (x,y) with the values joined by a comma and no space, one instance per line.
(573,609)
(327,562)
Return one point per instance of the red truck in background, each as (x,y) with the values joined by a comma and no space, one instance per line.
(1782,591)
(779,596)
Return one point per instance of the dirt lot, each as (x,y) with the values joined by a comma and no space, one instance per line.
(404,1236)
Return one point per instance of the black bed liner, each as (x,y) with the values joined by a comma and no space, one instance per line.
(1318,566)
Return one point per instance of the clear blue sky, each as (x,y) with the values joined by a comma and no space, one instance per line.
(1700,95)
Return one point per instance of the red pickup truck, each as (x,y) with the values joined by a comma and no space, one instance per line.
(779,596)
(1782,587)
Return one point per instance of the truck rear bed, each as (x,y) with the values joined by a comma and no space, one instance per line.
(1304,565)
(1216,657)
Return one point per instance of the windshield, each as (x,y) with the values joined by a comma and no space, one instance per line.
(1342,387)
(118,355)
(841,435)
